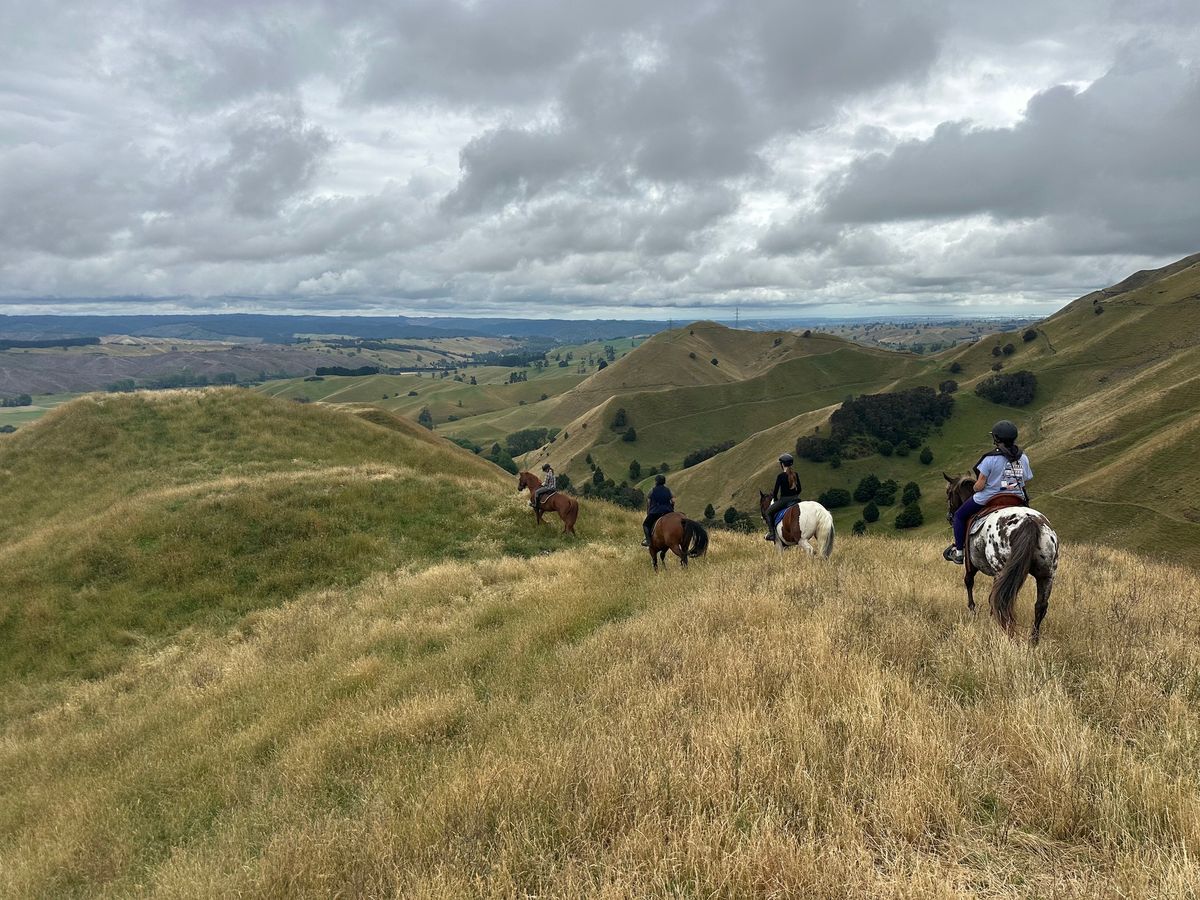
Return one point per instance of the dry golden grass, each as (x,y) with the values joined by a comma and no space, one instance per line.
(572,725)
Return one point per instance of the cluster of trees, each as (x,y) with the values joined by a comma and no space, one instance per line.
(621,420)
(528,439)
(19,400)
(878,423)
(186,378)
(698,456)
(1007,350)
(1009,389)
(875,493)
(342,370)
(17,344)
(603,487)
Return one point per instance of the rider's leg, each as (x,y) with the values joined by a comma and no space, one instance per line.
(647,524)
(772,512)
(961,517)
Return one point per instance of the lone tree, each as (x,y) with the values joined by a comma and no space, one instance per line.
(630,436)
(910,517)
(709,512)
(860,527)
(871,512)
(834,498)
(730,516)
(955,368)
(620,419)
(601,365)
(911,494)
(425,417)
(598,476)
(926,456)
(635,471)
(1029,335)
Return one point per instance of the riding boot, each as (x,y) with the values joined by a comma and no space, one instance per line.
(646,541)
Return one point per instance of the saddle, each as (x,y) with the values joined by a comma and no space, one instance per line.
(542,499)
(997,503)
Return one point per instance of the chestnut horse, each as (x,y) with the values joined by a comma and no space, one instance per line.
(680,535)
(1012,543)
(567,507)
(801,522)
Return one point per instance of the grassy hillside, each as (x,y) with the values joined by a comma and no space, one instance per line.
(572,726)
(133,519)
(794,375)
(1110,432)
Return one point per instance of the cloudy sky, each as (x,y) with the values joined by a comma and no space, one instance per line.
(630,157)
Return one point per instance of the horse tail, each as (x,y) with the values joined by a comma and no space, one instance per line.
(825,533)
(696,535)
(1016,568)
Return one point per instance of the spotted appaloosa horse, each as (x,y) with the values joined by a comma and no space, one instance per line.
(1012,543)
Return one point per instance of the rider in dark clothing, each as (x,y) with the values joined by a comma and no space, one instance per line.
(786,492)
(658,504)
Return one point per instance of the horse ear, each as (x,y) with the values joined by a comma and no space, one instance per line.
(947,477)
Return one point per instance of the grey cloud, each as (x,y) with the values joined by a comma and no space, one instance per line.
(1120,153)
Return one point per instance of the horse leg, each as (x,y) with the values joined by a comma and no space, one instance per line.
(1044,586)
(969,581)
(681,553)
(654,557)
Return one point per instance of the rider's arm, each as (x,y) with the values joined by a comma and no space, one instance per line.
(981,482)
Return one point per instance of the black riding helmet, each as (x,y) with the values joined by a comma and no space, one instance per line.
(1005,432)
(786,459)
(546,467)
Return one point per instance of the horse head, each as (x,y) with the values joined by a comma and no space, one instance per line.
(958,491)
(521,482)
(764,503)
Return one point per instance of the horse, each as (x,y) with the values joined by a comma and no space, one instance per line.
(683,537)
(1013,542)
(801,522)
(567,507)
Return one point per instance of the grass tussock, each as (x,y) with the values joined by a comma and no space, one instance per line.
(571,725)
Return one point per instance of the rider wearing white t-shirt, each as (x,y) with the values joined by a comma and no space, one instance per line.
(1004,470)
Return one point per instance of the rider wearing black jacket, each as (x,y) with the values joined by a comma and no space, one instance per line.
(786,492)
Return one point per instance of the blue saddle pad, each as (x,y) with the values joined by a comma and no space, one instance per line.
(783,512)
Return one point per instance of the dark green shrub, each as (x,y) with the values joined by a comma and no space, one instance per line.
(835,498)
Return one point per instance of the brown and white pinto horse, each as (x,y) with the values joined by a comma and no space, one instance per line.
(1012,543)
(801,523)
(680,535)
(566,506)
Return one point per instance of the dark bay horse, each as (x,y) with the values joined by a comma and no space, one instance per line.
(680,535)
(801,523)
(566,506)
(1012,543)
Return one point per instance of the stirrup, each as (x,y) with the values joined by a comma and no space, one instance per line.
(769,537)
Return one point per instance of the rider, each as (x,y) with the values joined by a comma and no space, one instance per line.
(658,504)
(1002,470)
(548,487)
(786,492)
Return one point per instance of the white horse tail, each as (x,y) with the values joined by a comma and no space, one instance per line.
(825,532)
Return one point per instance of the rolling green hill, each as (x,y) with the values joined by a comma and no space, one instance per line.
(134,519)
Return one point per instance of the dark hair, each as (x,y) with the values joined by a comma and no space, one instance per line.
(793,478)
(660,479)
(545,467)
(1011,451)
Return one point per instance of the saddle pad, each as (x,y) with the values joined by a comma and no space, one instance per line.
(996,504)
(783,512)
